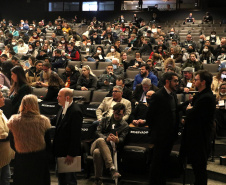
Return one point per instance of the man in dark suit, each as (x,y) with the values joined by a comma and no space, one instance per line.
(67,139)
(199,126)
(163,120)
(139,94)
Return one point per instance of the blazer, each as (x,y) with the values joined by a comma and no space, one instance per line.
(137,93)
(105,109)
(160,117)
(67,139)
(199,124)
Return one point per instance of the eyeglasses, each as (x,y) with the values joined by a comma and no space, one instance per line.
(115,91)
(175,81)
(196,80)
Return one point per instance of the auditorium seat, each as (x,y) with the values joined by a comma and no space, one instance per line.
(211,67)
(98,72)
(39,91)
(92,65)
(60,71)
(103,65)
(82,96)
(98,96)
(75,63)
(131,73)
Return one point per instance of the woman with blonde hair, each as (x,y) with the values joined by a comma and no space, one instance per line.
(30,139)
(87,80)
(6,153)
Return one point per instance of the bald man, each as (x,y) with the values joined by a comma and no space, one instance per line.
(67,139)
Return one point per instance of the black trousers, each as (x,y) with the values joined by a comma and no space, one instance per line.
(200,172)
(160,160)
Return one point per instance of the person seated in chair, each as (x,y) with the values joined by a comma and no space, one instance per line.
(208,18)
(145,73)
(127,93)
(87,81)
(111,132)
(107,80)
(70,76)
(105,108)
(33,74)
(138,115)
(58,61)
(139,94)
(187,82)
(190,19)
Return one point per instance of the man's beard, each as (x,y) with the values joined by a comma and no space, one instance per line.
(143,75)
(46,75)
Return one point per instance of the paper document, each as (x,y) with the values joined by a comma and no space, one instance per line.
(64,168)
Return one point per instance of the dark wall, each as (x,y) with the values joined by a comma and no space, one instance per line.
(38,10)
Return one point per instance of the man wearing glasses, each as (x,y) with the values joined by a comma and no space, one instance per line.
(106,107)
(163,120)
(111,131)
(199,126)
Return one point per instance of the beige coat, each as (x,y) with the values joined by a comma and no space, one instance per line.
(106,108)
(215,85)
(28,131)
(6,153)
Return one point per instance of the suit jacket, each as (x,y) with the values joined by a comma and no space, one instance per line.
(199,124)
(160,118)
(67,139)
(105,109)
(127,93)
(137,93)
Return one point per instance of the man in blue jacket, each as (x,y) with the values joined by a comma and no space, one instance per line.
(145,73)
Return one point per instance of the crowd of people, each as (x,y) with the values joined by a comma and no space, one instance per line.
(30,58)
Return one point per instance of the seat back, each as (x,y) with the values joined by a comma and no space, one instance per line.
(103,65)
(92,65)
(211,67)
(131,73)
(98,96)
(60,71)
(98,72)
(39,91)
(83,96)
(75,63)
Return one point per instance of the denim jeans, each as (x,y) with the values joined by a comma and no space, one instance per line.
(5,175)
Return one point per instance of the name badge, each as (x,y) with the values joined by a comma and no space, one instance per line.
(221,103)
(100,57)
(189,84)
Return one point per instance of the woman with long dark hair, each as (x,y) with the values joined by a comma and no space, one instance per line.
(55,84)
(19,87)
